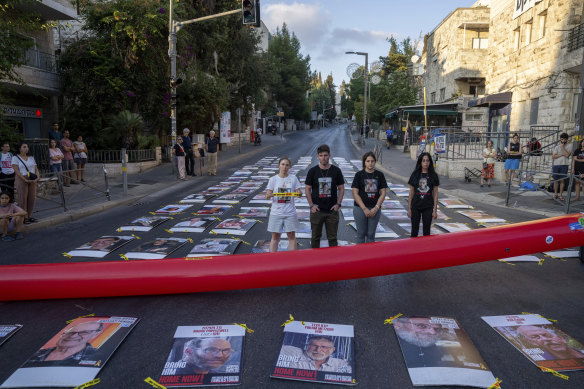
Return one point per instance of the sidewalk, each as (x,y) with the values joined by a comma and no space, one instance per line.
(398,166)
(89,201)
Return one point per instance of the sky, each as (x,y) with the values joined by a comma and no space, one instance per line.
(329,28)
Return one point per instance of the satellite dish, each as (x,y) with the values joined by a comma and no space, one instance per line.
(375,79)
(354,70)
(376,66)
(415,59)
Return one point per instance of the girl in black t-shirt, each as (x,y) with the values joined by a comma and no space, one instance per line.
(578,168)
(423,196)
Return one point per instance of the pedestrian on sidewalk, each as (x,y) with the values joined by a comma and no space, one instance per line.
(578,168)
(423,196)
(283,211)
(6,172)
(325,188)
(54,132)
(513,158)
(488,172)
(179,152)
(68,166)
(11,218)
(55,158)
(389,135)
(212,147)
(80,158)
(27,176)
(369,187)
(561,155)
(187,144)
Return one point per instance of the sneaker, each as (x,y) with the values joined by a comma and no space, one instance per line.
(7,238)
(18,236)
(489,185)
(482,186)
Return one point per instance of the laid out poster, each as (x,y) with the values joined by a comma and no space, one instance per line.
(437,351)
(144,224)
(204,356)
(75,355)
(542,342)
(100,247)
(156,249)
(7,330)
(317,352)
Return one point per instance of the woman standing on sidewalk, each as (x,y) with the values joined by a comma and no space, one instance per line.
(578,168)
(488,173)
(423,196)
(369,187)
(55,157)
(27,176)
(80,158)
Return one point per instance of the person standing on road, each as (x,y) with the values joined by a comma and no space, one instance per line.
(513,158)
(369,187)
(578,168)
(6,172)
(212,147)
(67,163)
(189,155)
(283,211)
(423,196)
(488,173)
(325,188)
(179,152)
(27,176)
(561,156)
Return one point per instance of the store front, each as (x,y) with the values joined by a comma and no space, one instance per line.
(25,120)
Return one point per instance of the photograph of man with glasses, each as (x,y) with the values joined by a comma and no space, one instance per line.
(316,355)
(205,355)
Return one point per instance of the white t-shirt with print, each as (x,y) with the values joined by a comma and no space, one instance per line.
(30,164)
(283,206)
(6,161)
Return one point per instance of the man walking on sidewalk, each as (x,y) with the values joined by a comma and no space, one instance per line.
(325,188)
(187,144)
(212,146)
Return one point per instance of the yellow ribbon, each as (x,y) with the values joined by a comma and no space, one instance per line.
(540,262)
(290,321)
(496,385)
(152,213)
(154,383)
(88,384)
(536,314)
(169,231)
(391,319)
(241,240)
(197,258)
(190,240)
(547,370)
(136,236)
(247,329)
(72,320)
(213,232)
(124,257)
(119,229)
(67,255)
(508,263)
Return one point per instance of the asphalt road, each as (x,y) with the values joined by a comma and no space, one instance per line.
(465,293)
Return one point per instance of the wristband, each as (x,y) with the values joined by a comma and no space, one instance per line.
(339,205)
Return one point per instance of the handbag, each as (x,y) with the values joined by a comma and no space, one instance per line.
(30,176)
(485,165)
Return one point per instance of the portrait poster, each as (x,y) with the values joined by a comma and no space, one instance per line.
(260,199)
(437,351)
(100,247)
(300,202)
(453,227)
(317,352)
(246,190)
(263,246)
(381,231)
(304,230)
(7,330)
(254,211)
(440,144)
(454,203)
(75,355)
(401,192)
(213,247)
(216,191)
(260,177)
(391,204)
(395,214)
(194,224)
(347,214)
(173,209)
(230,198)
(234,226)
(540,341)
(480,216)
(303,214)
(408,228)
(347,201)
(157,248)
(197,198)
(225,127)
(213,209)
(144,224)
(204,356)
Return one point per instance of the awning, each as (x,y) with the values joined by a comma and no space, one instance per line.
(431,112)
(391,114)
(497,98)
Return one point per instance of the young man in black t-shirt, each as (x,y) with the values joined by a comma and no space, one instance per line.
(325,188)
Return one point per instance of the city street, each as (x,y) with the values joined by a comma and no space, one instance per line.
(551,289)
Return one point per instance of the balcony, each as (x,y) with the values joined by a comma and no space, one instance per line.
(576,38)
(50,9)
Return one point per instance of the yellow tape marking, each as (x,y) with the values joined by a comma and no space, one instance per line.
(169,231)
(565,377)
(537,314)
(72,320)
(289,321)
(247,329)
(540,261)
(190,240)
(213,232)
(152,213)
(508,263)
(496,385)
(154,383)
(119,229)
(136,236)
(124,257)
(67,255)
(391,319)
(286,194)
(197,258)
(88,384)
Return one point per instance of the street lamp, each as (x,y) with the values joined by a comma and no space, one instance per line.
(365,92)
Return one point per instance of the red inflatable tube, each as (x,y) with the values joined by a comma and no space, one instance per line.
(169,276)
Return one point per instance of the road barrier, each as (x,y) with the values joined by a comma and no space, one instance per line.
(170,276)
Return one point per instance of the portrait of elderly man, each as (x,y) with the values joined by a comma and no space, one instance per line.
(418,339)
(553,345)
(315,356)
(72,346)
(205,355)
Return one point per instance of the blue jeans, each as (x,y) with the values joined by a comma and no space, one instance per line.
(366,226)
(56,168)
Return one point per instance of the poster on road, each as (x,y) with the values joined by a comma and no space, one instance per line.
(156,249)
(144,224)
(208,355)
(212,247)
(195,224)
(225,128)
(7,330)
(100,247)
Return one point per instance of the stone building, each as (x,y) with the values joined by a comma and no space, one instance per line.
(35,105)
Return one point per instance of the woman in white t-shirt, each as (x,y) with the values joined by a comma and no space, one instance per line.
(283,212)
(27,176)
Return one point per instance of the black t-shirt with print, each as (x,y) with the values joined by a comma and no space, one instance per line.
(579,166)
(369,185)
(514,147)
(423,184)
(324,186)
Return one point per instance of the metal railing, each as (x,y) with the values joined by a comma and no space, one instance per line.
(39,60)
(113,156)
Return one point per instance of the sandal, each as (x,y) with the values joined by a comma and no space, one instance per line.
(561,198)
(26,221)
(555,196)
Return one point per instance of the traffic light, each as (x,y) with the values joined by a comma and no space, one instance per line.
(251,12)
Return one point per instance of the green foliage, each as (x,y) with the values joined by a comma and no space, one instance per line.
(10,134)
(125,129)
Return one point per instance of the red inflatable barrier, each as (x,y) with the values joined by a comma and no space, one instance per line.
(168,276)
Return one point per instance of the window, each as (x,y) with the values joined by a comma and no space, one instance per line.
(517,37)
(541,20)
(442,94)
(533,111)
(472,90)
(527,32)
(480,43)
(575,107)
(432,97)
(475,117)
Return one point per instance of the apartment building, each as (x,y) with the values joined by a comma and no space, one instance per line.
(35,105)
